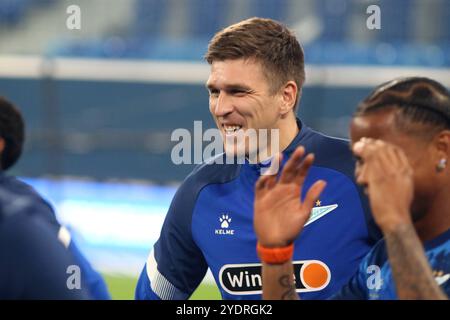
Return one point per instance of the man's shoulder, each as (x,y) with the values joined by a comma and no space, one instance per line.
(377,255)
(331,152)
(17,186)
(323,143)
(213,170)
(17,196)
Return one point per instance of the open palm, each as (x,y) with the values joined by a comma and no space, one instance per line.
(279,214)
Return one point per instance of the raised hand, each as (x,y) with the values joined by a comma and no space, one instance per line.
(279,214)
(388,177)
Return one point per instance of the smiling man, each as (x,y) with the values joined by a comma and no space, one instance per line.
(255,84)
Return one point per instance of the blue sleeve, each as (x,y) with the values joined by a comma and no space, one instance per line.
(176,266)
(354,289)
(91,278)
(34,264)
(358,288)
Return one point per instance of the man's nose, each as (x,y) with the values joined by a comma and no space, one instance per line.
(223,105)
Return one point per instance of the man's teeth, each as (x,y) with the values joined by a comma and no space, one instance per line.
(232,129)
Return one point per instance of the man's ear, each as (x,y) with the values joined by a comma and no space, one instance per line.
(288,97)
(442,145)
(2,145)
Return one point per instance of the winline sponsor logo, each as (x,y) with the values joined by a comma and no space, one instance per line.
(309,276)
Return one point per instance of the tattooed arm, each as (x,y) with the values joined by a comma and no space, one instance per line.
(280,216)
(278,282)
(385,171)
(410,269)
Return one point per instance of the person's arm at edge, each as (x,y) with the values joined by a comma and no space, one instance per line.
(278,282)
(410,268)
(175,265)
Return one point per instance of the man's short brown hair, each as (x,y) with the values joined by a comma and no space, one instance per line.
(266,41)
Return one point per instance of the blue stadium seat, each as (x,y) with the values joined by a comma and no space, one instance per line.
(397,20)
(274,9)
(12,11)
(148,39)
(149,17)
(335,18)
(207,16)
(445,20)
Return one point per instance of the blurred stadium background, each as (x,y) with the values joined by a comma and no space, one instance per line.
(101,102)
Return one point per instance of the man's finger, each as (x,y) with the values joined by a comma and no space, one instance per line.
(403,161)
(303,169)
(313,194)
(290,168)
(366,148)
(380,158)
(261,183)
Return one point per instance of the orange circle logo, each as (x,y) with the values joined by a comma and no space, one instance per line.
(315,275)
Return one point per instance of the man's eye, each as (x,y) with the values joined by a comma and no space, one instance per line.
(238,93)
(214,93)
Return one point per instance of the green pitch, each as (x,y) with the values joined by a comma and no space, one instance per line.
(122,288)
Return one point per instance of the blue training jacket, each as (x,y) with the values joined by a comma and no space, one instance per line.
(210,224)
